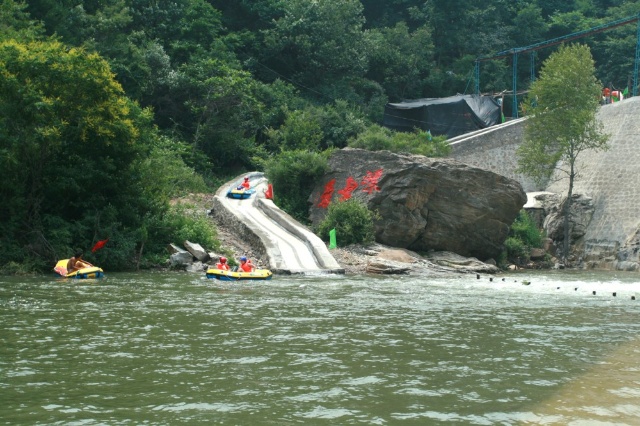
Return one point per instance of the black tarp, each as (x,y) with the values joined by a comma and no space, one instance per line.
(450,116)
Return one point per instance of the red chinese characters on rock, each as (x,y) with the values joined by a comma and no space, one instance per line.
(325,198)
(369,184)
(350,186)
(370,181)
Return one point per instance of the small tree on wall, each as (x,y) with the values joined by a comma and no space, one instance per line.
(562,122)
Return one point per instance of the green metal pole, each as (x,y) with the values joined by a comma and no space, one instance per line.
(514,107)
(533,65)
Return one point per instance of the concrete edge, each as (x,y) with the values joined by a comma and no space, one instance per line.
(312,241)
(467,136)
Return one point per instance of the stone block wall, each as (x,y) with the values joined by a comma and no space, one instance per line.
(494,149)
(611,178)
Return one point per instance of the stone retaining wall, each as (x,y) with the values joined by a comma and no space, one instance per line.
(610,178)
(494,149)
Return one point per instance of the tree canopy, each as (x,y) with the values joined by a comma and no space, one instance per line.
(562,122)
(97,96)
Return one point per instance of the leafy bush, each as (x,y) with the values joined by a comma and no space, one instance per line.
(25,268)
(184,222)
(300,131)
(524,229)
(164,174)
(316,128)
(377,138)
(351,219)
(293,175)
(523,236)
(516,251)
(340,122)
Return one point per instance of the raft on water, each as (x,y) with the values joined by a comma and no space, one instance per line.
(84,273)
(258,274)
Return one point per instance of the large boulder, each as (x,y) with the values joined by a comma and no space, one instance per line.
(424,203)
(580,216)
(196,250)
(181,259)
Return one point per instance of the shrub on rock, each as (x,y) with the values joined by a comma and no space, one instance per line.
(351,219)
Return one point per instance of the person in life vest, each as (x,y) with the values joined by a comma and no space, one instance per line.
(222,264)
(246,265)
(606,94)
(246,184)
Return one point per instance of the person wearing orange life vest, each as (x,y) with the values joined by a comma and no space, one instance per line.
(606,94)
(246,184)
(222,264)
(246,265)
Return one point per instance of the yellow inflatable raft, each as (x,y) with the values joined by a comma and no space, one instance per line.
(258,274)
(84,273)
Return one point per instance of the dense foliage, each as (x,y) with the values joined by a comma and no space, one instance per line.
(294,174)
(108,109)
(352,221)
(523,236)
(377,138)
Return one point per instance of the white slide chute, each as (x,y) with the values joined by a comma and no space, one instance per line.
(290,247)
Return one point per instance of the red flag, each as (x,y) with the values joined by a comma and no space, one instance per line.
(99,245)
(269,192)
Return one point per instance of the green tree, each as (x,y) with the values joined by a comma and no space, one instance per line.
(562,122)
(402,61)
(613,55)
(528,25)
(69,140)
(317,42)
(317,128)
(294,175)
(300,131)
(16,23)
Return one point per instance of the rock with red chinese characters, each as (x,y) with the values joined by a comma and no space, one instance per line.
(424,203)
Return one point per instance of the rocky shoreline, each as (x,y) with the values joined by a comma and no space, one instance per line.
(355,259)
(371,259)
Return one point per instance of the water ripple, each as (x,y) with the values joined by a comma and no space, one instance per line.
(177,349)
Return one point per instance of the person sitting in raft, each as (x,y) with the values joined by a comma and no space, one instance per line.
(76,263)
(222,264)
(246,265)
(246,184)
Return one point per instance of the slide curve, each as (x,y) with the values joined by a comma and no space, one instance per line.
(290,247)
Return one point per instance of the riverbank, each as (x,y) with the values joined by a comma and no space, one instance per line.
(355,259)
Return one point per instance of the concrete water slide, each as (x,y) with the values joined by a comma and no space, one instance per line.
(289,246)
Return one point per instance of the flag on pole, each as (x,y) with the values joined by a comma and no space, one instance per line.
(332,239)
(99,245)
(429,137)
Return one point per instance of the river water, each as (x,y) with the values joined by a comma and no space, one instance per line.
(177,348)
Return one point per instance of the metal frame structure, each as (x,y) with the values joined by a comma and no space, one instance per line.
(552,42)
